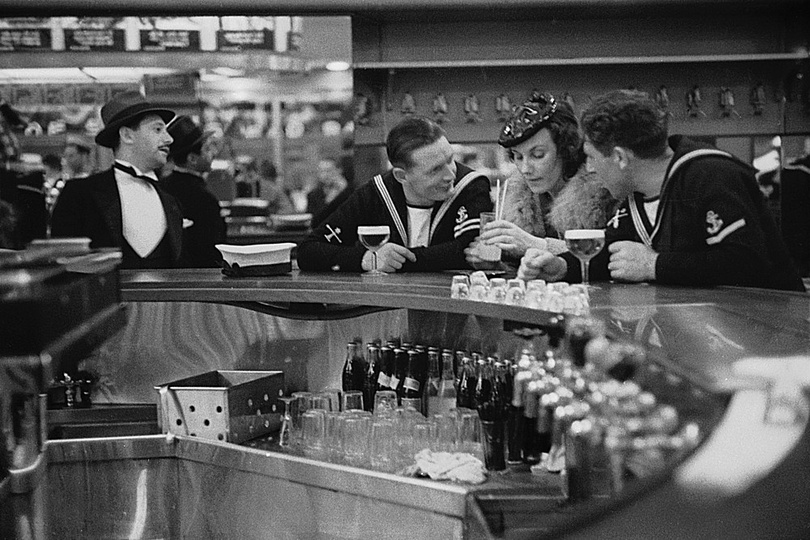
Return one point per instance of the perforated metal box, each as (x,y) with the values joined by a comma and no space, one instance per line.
(232,406)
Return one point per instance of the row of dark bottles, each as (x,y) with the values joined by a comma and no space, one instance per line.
(422,376)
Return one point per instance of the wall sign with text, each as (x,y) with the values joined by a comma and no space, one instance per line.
(93,39)
(240,40)
(170,40)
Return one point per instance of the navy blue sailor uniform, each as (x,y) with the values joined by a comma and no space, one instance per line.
(712,226)
(334,245)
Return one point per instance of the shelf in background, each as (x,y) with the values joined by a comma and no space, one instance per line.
(584,61)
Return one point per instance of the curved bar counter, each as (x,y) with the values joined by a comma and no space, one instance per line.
(183,322)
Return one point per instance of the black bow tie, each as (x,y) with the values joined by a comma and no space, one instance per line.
(130,171)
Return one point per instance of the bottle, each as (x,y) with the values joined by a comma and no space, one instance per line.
(489,411)
(354,371)
(373,370)
(431,392)
(457,361)
(445,398)
(386,368)
(466,385)
(411,388)
(483,391)
(400,367)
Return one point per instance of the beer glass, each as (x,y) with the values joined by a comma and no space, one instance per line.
(373,237)
(584,244)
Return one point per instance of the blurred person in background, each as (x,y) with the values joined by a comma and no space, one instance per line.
(77,159)
(329,193)
(52,179)
(191,154)
(123,206)
(24,213)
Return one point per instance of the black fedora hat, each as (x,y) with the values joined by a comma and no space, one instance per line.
(186,134)
(122,109)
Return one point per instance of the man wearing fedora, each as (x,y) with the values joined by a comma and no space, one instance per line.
(123,207)
(191,154)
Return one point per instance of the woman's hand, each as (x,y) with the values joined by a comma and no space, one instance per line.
(512,240)
(541,264)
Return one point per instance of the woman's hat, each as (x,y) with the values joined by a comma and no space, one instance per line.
(122,109)
(186,134)
(527,119)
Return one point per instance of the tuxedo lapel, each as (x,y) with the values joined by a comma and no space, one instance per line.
(174,222)
(109,201)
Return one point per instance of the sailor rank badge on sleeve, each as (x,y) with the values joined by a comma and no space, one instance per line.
(464,222)
(716,230)
(714,222)
(334,234)
(461,216)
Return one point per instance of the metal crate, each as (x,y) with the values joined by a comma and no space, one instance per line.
(232,406)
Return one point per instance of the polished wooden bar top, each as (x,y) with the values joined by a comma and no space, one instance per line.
(699,332)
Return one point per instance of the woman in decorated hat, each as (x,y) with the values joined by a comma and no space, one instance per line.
(549,191)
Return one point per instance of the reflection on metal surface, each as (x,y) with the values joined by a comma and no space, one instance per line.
(741,451)
(120,488)
(167,341)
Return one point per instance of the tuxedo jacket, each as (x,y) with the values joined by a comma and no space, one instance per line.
(204,227)
(91,207)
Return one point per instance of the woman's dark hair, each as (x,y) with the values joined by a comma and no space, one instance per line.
(543,111)
(410,135)
(627,119)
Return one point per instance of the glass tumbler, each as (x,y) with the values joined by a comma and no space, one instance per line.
(460,288)
(313,427)
(299,405)
(479,287)
(352,400)
(381,444)
(497,290)
(515,292)
(385,401)
(354,435)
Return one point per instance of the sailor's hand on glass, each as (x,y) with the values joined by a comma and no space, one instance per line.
(510,238)
(390,258)
(631,261)
(541,264)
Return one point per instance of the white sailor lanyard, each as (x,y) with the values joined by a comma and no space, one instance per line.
(385,195)
(636,212)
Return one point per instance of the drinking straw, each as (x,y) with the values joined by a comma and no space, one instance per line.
(498,199)
(501,199)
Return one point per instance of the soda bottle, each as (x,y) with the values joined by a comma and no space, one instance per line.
(411,387)
(445,398)
(400,367)
(373,370)
(354,371)
(431,392)
(386,368)
(466,385)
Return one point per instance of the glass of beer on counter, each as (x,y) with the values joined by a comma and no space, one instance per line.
(584,244)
